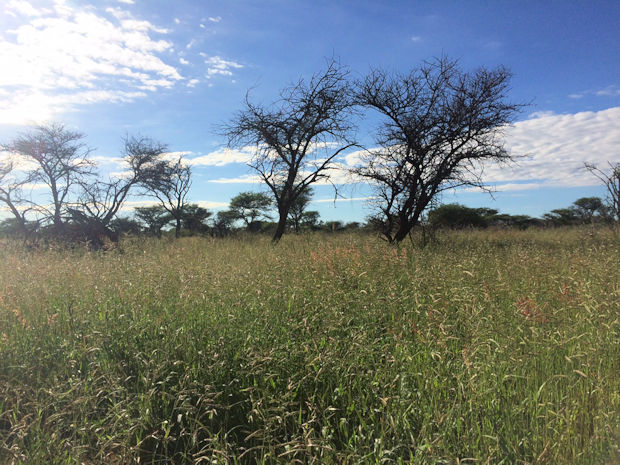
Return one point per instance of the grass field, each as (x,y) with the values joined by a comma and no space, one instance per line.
(488,347)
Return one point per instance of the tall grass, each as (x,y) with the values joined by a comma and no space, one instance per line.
(486,347)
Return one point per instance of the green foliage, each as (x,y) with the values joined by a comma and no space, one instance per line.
(458,216)
(298,216)
(194,217)
(486,347)
(154,218)
(583,211)
(250,207)
(124,225)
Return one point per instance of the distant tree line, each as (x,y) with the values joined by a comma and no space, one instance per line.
(586,210)
(438,126)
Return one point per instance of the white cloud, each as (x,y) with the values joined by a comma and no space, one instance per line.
(56,55)
(555,148)
(223,156)
(127,2)
(542,114)
(21,7)
(209,204)
(215,19)
(344,199)
(244,179)
(551,150)
(218,66)
(193,82)
(183,61)
(610,91)
(130,205)
(416,39)
(177,21)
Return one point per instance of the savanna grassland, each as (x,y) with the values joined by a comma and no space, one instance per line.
(486,347)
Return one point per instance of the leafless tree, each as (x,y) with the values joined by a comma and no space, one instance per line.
(11,193)
(60,161)
(100,201)
(440,123)
(296,138)
(171,189)
(611,180)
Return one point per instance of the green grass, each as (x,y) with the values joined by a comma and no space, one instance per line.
(488,347)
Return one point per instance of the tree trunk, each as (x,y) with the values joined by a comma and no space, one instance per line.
(280,228)
(177,231)
(403,231)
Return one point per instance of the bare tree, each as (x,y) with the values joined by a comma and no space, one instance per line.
(100,201)
(611,180)
(60,161)
(11,193)
(297,138)
(440,124)
(171,190)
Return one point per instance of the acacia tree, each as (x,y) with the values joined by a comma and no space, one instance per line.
(60,161)
(250,206)
(611,180)
(171,190)
(298,214)
(11,194)
(296,138)
(153,217)
(100,201)
(440,123)
(587,207)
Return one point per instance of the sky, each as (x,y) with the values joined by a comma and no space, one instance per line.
(176,71)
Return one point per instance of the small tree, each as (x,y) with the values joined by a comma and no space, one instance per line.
(458,216)
(100,201)
(59,160)
(154,218)
(12,196)
(611,180)
(250,207)
(587,207)
(171,190)
(296,138)
(297,213)
(439,125)
(223,223)
(194,218)
(562,216)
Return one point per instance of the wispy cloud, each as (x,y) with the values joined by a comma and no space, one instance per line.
(551,150)
(555,148)
(218,66)
(22,7)
(215,19)
(609,91)
(130,205)
(223,156)
(244,179)
(344,199)
(60,57)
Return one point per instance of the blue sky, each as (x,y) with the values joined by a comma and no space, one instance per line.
(174,70)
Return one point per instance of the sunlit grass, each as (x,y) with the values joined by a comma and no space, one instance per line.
(486,347)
